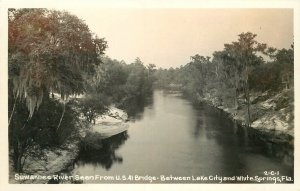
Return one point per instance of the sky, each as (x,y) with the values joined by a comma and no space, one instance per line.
(169,37)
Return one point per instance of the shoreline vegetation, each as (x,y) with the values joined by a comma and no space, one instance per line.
(249,80)
(60,82)
(60,160)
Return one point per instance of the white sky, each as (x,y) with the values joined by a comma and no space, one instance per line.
(168,37)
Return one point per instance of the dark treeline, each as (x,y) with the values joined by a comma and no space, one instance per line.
(54,57)
(232,75)
(118,83)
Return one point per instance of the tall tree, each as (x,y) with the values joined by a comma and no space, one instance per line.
(244,53)
(49,51)
(227,77)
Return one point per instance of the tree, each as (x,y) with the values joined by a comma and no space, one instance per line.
(285,59)
(136,81)
(226,74)
(48,52)
(195,75)
(275,74)
(244,53)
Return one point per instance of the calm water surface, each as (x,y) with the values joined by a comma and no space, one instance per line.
(170,136)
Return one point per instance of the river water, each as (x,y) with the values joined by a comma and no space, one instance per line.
(170,137)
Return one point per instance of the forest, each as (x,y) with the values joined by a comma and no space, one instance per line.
(54,57)
(237,76)
(58,71)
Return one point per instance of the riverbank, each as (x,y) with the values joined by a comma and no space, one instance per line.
(271,113)
(54,161)
(47,162)
(107,125)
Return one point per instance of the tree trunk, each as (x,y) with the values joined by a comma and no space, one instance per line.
(245,129)
(236,91)
(62,115)
(248,100)
(12,112)
(247,93)
(248,109)
(19,167)
(18,154)
(24,160)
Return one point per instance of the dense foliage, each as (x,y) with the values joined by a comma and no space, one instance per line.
(241,68)
(50,52)
(53,57)
(118,83)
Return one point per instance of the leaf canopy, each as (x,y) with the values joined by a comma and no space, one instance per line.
(49,51)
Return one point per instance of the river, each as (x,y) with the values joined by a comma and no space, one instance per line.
(171,137)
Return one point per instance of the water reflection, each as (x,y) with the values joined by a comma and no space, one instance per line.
(171,135)
(105,156)
(283,152)
(249,149)
(136,106)
(247,139)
